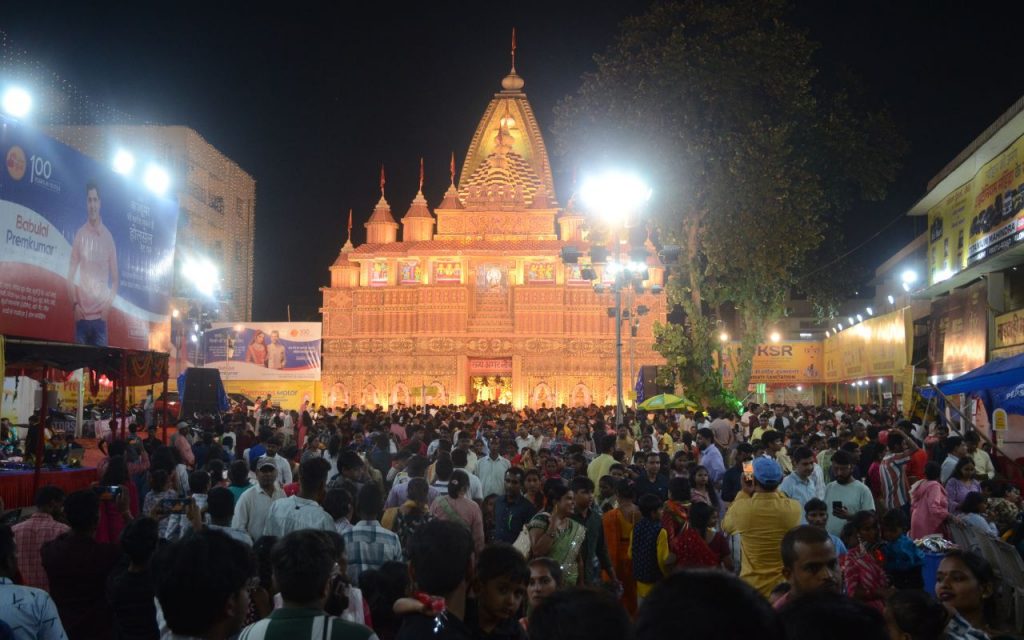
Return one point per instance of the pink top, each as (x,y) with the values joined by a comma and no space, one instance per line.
(466,512)
(93,250)
(929,508)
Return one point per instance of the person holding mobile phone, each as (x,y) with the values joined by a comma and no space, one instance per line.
(845,495)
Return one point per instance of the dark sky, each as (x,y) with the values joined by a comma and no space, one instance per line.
(312,101)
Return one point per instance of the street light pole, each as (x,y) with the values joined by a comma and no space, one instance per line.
(618,350)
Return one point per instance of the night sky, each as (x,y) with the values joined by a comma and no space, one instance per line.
(312,102)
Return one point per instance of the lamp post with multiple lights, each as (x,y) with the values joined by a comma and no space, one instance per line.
(616,198)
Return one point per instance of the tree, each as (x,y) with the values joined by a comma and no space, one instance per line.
(754,157)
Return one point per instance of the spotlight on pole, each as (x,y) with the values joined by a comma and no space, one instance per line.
(775,337)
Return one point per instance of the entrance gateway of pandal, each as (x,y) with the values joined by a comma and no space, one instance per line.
(482,308)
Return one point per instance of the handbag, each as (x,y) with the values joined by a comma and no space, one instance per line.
(523,544)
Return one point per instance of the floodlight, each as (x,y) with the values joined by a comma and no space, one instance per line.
(156,179)
(124,162)
(17,102)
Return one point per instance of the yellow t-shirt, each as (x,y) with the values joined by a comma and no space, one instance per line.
(762,520)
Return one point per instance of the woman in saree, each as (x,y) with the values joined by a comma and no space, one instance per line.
(554,534)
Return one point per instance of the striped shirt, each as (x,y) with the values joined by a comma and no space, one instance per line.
(892,472)
(368,545)
(295,623)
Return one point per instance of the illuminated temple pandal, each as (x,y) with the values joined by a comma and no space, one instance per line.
(484,304)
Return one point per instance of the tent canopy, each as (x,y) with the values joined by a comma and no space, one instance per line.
(32,358)
(998,373)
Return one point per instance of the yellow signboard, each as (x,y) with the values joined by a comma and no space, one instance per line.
(1000,420)
(288,394)
(876,347)
(980,218)
(778,363)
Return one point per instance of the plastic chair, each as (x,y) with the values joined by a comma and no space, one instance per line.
(1009,566)
(964,536)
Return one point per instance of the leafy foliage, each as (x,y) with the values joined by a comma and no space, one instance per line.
(720,105)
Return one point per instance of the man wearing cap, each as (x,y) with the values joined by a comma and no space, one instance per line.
(284,468)
(254,503)
(762,516)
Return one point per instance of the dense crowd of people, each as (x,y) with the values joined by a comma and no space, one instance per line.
(483,521)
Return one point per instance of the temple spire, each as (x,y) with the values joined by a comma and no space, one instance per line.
(513,49)
(347,247)
(451,168)
(382,180)
(512,83)
(421,174)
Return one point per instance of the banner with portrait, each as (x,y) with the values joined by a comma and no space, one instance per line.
(264,350)
(87,254)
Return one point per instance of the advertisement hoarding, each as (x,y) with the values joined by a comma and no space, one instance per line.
(87,254)
(271,351)
(876,347)
(958,331)
(778,363)
(980,218)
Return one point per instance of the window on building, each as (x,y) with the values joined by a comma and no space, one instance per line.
(238,207)
(238,252)
(217,203)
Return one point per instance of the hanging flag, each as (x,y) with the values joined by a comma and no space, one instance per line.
(640,397)
(451,168)
(421,173)
(349,222)
(382,180)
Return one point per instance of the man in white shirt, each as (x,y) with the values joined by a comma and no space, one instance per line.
(284,468)
(302,511)
(254,503)
(476,489)
(524,439)
(491,471)
(275,352)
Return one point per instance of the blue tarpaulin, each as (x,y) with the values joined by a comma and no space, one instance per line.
(1007,372)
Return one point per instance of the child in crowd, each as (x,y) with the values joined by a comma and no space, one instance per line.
(903,560)
(500,582)
(648,547)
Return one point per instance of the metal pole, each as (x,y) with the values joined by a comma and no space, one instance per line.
(81,400)
(44,417)
(618,350)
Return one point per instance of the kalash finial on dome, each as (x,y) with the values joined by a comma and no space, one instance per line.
(512,83)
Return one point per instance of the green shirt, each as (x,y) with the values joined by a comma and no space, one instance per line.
(290,623)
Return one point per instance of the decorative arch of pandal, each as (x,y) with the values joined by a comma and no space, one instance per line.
(440,394)
(369,399)
(580,396)
(543,396)
(400,394)
(339,395)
